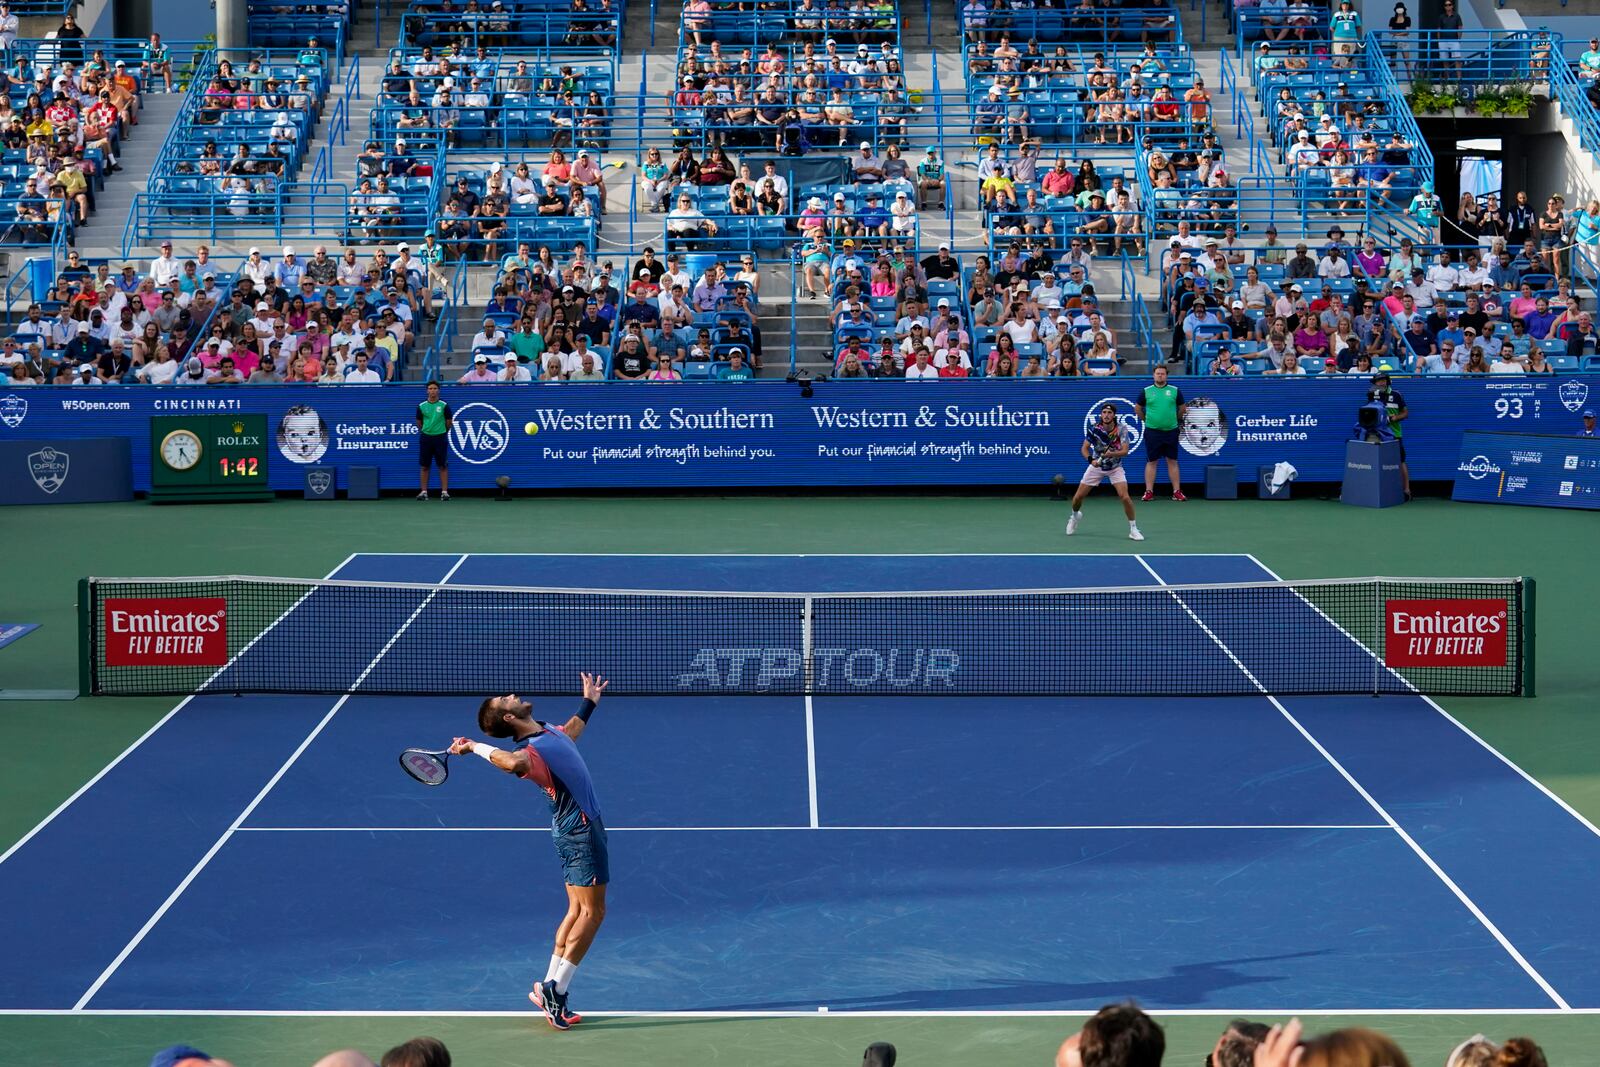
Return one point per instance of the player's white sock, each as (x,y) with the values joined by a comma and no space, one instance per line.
(1132,525)
(565,969)
(555,965)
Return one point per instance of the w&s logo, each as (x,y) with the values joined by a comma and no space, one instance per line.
(479,433)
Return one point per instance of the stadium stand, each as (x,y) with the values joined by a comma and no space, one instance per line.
(1054,192)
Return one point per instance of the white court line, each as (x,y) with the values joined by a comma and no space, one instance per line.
(1501,756)
(826,555)
(808,829)
(108,768)
(831,1013)
(227,834)
(1383,813)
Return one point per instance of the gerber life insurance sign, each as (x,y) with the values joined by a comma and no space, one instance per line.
(1445,632)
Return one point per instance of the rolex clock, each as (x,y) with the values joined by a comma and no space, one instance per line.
(208,457)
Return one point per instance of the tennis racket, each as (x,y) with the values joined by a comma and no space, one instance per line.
(427,767)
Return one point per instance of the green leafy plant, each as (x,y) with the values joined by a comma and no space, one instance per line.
(1426,98)
(1514,100)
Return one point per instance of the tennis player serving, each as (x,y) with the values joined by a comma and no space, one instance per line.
(547,755)
(1104,446)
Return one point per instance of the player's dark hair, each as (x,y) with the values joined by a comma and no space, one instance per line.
(490,721)
(433,382)
(418,1052)
(1121,1035)
(879,1054)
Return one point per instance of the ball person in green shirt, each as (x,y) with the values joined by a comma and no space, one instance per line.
(1161,408)
(433,440)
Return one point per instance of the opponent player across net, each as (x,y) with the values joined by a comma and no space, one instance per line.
(547,755)
(1104,446)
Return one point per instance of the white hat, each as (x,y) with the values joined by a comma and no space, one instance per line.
(866,145)
(497,168)
(944,246)
(449,82)
(944,301)
(255,251)
(480,358)
(814,202)
(838,196)
(87,368)
(851,264)
(402,247)
(901,195)
(1239,304)
(83,327)
(288,250)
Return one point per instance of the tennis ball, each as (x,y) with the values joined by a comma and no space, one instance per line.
(1058,479)
(530,429)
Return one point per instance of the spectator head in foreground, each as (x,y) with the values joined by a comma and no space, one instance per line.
(1118,1035)
(185,1056)
(879,1054)
(1355,1047)
(345,1057)
(1236,1046)
(1475,1051)
(418,1052)
(1520,1052)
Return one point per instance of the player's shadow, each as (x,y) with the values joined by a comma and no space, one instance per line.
(1186,984)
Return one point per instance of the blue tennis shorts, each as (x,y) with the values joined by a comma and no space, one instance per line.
(584,859)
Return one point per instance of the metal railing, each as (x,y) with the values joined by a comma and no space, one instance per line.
(1571,94)
(1104,26)
(1473,60)
(545,26)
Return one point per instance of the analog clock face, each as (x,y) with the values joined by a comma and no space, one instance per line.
(180,450)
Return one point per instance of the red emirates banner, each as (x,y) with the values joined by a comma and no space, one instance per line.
(166,631)
(1445,633)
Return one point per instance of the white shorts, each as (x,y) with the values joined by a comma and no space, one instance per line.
(1451,48)
(1094,476)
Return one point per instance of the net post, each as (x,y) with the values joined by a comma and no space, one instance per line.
(806,667)
(1526,625)
(85,646)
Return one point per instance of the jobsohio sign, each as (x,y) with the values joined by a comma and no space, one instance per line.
(768,434)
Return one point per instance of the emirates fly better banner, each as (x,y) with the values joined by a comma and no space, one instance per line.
(166,631)
(1445,633)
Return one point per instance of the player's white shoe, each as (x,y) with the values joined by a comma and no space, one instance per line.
(1072,523)
(1134,534)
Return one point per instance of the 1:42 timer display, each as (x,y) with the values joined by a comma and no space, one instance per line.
(244,467)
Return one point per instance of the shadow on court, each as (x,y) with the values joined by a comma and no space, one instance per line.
(1190,983)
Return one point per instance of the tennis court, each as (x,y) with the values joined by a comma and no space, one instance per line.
(788,854)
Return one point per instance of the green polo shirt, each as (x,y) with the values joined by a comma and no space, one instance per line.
(1161,406)
(434,414)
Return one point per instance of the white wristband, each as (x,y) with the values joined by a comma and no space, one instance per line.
(486,751)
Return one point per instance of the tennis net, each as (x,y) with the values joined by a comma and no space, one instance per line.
(275,635)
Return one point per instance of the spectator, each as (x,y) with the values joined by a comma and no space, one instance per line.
(480,374)
(1236,1045)
(362,373)
(418,1052)
(1118,1035)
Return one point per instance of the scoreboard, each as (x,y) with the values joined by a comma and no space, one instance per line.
(208,457)
(1537,469)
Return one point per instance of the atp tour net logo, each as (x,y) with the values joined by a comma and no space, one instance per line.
(839,669)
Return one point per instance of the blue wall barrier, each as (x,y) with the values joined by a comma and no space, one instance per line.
(70,469)
(767,434)
(1525,468)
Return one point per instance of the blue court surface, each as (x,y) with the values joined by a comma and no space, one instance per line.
(785,854)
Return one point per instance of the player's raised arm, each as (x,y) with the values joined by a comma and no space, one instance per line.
(594,687)
(511,762)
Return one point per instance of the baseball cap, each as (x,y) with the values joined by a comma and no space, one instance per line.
(480,358)
(944,302)
(866,145)
(83,327)
(288,250)
(255,251)
(1239,304)
(944,246)
(1588,413)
